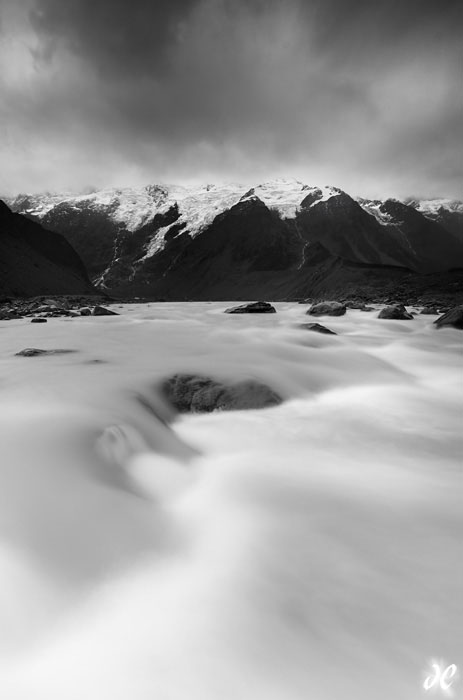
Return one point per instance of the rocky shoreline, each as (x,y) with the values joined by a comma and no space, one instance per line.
(43,307)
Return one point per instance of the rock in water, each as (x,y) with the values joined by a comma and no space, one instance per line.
(193,393)
(317,327)
(255,307)
(38,320)
(101,311)
(396,312)
(453,318)
(33,352)
(429,310)
(358,305)
(85,311)
(327,308)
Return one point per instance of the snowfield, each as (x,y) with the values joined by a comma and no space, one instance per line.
(199,205)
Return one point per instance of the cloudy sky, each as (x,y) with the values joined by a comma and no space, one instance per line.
(365,95)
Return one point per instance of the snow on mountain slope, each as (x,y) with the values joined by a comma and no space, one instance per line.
(135,207)
(432,207)
(198,206)
(132,207)
(373,207)
(286,196)
(37,205)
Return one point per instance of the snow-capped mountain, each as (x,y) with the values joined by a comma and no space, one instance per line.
(432,207)
(447,212)
(133,208)
(160,237)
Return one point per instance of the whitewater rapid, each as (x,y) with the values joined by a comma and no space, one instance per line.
(310,551)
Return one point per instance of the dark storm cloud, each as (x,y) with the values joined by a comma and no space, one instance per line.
(114,35)
(365,94)
(134,36)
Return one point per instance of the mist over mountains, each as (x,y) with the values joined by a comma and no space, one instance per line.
(281,239)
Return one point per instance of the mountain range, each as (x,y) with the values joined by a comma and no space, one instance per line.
(280,240)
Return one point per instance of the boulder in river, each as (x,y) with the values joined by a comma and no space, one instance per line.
(452,319)
(317,327)
(327,308)
(33,352)
(102,311)
(429,310)
(190,393)
(395,312)
(359,306)
(38,320)
(355,304)
(255,307)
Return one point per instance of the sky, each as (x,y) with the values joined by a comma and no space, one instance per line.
(366,96)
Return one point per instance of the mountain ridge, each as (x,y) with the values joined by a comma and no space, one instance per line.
(175,241)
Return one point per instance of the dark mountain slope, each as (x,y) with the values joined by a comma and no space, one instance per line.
(36,261)
(242,246)
(92,234)
(102,242)
(346,230)
(249,252)
(446,212)
(435,248)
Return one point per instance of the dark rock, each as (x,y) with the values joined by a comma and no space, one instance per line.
(55,304)
(9,315)
(101,311)
(38,320)
(327,308)
(396,312)
(193,393)
(317,327)
(51,311)
(85,312)
(359,305)
(429,310)
(45,309)
(33,352)
(453,318)
(255,307)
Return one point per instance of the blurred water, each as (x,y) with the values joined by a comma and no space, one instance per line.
(312,550)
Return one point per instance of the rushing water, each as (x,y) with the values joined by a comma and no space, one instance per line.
(309,551)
